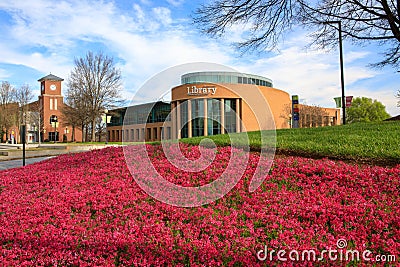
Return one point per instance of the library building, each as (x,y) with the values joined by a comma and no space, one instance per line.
(211,103)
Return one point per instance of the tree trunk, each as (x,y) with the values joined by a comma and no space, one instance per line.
(93,139)
(83,133)
(73,134)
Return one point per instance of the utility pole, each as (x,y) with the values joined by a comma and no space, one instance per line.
(339,23)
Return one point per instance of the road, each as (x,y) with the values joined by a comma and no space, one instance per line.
(4,165)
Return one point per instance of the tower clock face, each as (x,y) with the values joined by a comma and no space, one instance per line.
(53,87)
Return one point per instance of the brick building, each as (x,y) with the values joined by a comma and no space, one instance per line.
(50,104)
(44,117)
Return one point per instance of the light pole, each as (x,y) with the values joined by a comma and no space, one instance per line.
(107,121)
(339,23)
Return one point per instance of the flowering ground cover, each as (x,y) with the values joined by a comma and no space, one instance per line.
(87,210)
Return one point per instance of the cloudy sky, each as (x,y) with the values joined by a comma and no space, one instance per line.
(146,37)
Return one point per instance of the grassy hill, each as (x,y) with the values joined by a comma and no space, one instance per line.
(377,143)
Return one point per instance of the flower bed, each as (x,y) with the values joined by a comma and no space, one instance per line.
(86,209)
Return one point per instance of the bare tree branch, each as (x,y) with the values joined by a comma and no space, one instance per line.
(93,86)
(266,22)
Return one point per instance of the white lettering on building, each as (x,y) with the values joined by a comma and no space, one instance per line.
(194,90)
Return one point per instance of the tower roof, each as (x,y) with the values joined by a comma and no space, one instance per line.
(50,77)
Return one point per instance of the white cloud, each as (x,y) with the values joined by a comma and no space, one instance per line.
(313,75)
(47,35)
(176,2)
(135,36)
(163,15)
(4,74)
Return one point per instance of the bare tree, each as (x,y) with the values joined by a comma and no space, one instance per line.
(94,85)
(398,96)
(266,22)
(8,108)
(74,114)
(23,96)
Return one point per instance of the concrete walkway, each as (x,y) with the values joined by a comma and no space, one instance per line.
(13,152)
(9,164)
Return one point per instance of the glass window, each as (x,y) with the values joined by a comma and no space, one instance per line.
(197,117)
(184,119)
(155,133)
(230,115)
(213,117)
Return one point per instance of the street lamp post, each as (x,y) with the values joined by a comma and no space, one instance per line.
(339,23)
(107,121)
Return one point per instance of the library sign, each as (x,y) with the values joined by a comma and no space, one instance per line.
(194,90)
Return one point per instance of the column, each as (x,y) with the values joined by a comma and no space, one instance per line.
(222,110)
(205,117)
(238,119)
(173,120)
(189,118)
(178,120)
(159,133)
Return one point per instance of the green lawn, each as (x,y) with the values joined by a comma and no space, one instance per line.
(379,142)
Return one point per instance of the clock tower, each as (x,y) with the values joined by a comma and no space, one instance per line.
(50,103)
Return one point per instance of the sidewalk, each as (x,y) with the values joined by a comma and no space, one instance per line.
(17,163)
(12,152)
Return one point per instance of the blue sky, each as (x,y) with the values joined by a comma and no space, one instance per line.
(145,37)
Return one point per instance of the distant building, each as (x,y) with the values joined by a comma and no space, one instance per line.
(8,122)
(143,122)
(206,103)
(44,115)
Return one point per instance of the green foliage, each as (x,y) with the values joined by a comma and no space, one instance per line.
(365,109)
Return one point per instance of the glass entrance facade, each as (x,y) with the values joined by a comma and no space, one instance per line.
(207,116)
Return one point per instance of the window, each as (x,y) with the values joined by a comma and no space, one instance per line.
(51,104)
(155,133)
(184,119)
(148,133)
(197,117)
(168,133)
(53,121)
(230,115)
(55,103)
(53,136)
(213,117)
